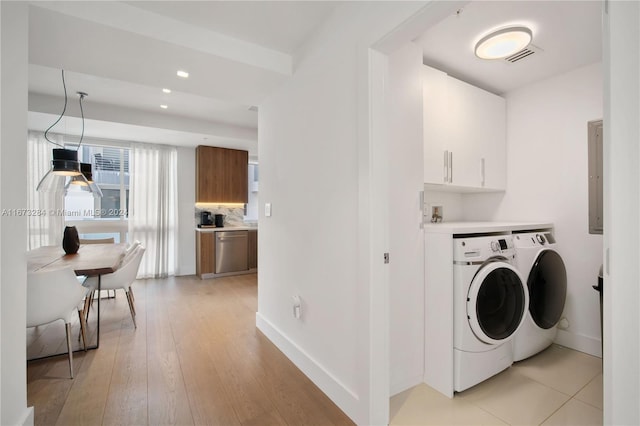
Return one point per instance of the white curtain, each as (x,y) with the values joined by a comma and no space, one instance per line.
(153,207)
(44,210)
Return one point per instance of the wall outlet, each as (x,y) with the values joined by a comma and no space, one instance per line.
(267,209)
(437,214)
(297,307)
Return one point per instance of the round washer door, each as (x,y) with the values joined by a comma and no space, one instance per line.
(496,303)
(547,288)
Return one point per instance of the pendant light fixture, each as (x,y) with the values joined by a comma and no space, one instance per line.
(65,168)
(503,42)
(83,182)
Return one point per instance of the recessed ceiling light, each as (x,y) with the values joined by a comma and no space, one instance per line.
(182,74)
(164,106)
(166,90)
(503,42)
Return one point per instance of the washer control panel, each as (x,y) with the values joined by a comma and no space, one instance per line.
(483,247)
(500,244)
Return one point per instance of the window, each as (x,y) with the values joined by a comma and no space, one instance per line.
(110,168)
(251,208)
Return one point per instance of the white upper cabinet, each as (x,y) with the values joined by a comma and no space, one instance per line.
(435,123)
(464,131)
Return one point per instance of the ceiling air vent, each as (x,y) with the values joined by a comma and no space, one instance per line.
(524,53)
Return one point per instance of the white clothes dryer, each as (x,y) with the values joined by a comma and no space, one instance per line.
(490,303)
(546,278)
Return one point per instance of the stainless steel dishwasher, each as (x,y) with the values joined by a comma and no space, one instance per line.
(231,251)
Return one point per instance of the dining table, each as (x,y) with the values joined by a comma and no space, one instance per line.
(91,260)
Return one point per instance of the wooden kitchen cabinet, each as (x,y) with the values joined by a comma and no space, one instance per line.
(205,253)
(221,175)
(464,130)
(252,250)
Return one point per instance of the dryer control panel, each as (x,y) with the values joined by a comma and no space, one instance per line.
(534,239)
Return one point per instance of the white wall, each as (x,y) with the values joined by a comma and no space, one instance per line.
(451,202)
(406,244)
(13,229)
(313,162)
(308,247)
(186,215)
(547,181)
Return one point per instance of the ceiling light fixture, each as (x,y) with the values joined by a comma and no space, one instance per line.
(64,165)
(164,106)
(182,74)
(166,90)
(503,42)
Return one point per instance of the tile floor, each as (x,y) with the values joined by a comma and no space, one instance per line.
(559,386)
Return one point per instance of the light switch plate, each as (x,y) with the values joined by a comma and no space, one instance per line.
(267,209)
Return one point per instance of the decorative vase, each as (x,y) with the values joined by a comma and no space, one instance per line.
(70,240)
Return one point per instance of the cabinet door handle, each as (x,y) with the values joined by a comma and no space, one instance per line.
(451,167)
(482,172)
(446,166)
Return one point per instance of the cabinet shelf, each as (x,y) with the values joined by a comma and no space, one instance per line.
(439,187)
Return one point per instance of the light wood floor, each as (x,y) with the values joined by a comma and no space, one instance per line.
(195,358)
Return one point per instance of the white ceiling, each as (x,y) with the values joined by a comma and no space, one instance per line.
(237,53)
(123,53)
(277,25)
(569,34)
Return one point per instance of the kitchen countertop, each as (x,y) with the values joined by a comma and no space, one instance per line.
(228,228)
(481,227)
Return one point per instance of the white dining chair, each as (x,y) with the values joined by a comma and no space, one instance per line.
(56,295)
(122,278)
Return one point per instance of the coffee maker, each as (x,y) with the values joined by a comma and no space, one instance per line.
(206,218)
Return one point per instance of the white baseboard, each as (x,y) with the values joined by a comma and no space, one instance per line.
(341,395)
(405,383)
(579,342)
(27,417)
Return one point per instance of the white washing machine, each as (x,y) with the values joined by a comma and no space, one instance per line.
(490,303)
(546,277)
